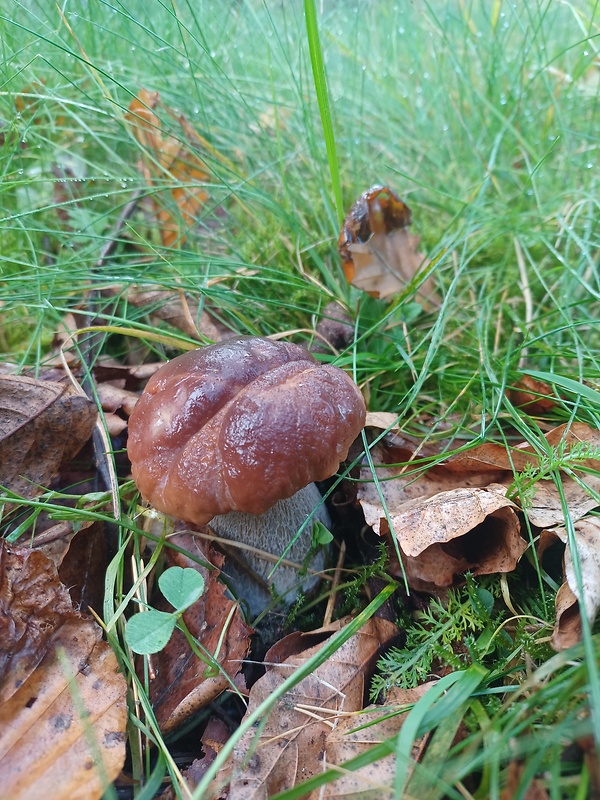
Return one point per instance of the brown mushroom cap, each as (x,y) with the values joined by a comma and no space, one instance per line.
(239,425)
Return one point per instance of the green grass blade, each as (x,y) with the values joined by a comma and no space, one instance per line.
(320,79)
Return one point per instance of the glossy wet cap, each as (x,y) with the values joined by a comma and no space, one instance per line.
(239,425)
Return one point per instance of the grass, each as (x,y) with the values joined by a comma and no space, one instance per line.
(484,118)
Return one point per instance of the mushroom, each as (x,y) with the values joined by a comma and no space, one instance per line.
(235,434)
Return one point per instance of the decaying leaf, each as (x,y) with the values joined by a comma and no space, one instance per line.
(532,395)
(213,738)
(462,530)
(172,306)
(171,158)
(581,489)
(83,566)
(290,745)
(134,375)
(78,551)
(436,504)
(567,625)
(355,734)
(180,686)
(545,508)
(567,628)
(378,252)
(42,424)
(451,519)
(63,709)
(116,398)
(534,790)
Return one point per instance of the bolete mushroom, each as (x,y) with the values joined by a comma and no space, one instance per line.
(235,434)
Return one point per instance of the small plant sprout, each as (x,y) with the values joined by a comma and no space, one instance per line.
(149,631)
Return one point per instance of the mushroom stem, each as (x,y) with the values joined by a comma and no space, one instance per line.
(272,531)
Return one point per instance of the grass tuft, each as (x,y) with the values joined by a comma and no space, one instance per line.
(482,116)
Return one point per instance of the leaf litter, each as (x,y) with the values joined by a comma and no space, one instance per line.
(63,709)
(172,159)
(456,516)
(379,254)
(181,685)
(290,745)
(42,424)
(570,603)
(465,513)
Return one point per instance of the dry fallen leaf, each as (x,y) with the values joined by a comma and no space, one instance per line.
(214,737)
(173,159)
(180,688)
(462,530)
(42,424)
(567,628)
(545,509)
(516,772)
(63,710)
(439,501)
(116,398)
(78,550)
(449,520)
(378,253)
(374,781)
(544,506)
(532,395)
(290,745)
(172,306)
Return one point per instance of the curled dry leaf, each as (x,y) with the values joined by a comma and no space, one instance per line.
(489,468)
(567,628)
(63,711)
(83,566)
(532,395)
(444,536)
(42,424)
(180,686)
(378,253)
(78,551)
(450,519)
(567,625)
(290,745)
(544,506)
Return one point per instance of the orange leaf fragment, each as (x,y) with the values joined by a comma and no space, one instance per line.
(173,159)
